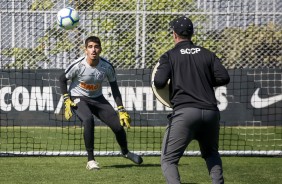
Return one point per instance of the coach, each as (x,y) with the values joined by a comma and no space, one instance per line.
(193,71)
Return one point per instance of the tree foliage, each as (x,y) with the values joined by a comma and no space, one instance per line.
(41,5)
(254,46)
(133,38)
(25,57)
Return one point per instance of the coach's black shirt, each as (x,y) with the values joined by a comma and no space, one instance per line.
(194,72)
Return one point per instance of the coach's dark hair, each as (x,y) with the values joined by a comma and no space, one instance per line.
(189,36)
(92,39)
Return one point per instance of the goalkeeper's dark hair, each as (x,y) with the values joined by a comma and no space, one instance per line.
(92,39)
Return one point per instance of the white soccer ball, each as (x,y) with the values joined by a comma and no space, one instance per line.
(67,18)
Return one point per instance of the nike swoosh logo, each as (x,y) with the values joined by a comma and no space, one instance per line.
(258,102)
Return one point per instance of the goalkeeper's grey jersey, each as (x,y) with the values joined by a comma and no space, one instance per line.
(87,80)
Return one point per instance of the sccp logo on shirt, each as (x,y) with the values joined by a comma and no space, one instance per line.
(190,51)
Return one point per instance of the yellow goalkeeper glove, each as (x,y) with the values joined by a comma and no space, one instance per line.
(68,104)
(124,117)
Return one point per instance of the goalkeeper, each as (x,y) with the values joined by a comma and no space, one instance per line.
(85,99)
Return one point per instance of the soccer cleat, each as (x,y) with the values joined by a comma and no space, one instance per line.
(134,158)
(92,165)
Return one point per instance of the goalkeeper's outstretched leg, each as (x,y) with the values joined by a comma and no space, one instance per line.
(112,122)
(134,158)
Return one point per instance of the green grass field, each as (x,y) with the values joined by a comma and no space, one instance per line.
(139,138)
(71,170)
(117,170)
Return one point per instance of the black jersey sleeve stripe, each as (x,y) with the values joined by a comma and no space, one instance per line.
(108,63)
(73,64)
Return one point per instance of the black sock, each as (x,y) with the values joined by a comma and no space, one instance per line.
(124,151)
(121,139)
(90,155)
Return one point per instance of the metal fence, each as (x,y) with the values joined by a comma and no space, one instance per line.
(244,33)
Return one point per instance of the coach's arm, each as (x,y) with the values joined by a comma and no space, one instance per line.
(221,76)
(163,72)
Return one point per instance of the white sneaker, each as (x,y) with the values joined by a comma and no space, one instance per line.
(92,165)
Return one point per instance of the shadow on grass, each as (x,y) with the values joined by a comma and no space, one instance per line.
(132,165)
(135,165)
(121,166)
